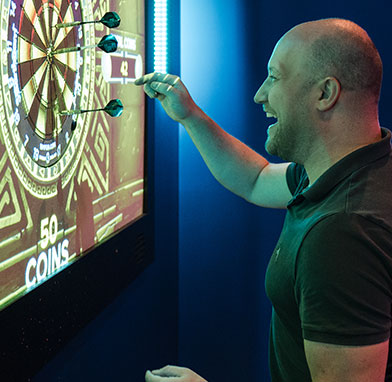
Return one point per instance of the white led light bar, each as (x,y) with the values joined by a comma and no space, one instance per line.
(160,36)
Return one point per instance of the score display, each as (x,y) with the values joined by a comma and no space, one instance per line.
(68,180)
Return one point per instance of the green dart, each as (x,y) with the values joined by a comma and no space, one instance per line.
(109,19)
(114,108)
(108,44)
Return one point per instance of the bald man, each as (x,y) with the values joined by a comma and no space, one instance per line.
(330,276)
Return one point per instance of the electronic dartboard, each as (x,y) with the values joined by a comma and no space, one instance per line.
(71,167)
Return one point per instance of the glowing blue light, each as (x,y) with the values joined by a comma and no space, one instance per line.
(160,36)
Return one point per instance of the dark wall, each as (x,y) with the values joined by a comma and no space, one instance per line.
(225,243)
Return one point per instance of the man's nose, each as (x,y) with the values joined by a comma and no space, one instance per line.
(261,95)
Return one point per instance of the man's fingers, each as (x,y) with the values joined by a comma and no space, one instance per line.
(158,77)
(161,88)
(169,371)
(161,377)
(154,378)
(144,79)
(150,92)
(156,84)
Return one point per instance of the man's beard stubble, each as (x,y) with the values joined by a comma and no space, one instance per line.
(282,142)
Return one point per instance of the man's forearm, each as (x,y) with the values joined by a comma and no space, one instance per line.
(232,163)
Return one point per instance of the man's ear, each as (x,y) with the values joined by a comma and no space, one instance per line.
(330,90)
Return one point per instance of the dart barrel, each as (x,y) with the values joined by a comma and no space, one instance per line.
(108,44)
(114,108)
(109,19)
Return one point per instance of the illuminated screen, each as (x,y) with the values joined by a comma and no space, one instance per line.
(69,179)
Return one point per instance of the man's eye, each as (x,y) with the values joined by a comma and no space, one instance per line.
(272,78)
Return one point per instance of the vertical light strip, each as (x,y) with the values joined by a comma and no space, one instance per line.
(160,36)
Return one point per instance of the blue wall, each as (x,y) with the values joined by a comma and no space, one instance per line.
(225,243)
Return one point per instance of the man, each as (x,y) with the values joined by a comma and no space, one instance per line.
(330,276)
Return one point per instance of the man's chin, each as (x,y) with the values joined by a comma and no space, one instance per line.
(273,149)
(270,147)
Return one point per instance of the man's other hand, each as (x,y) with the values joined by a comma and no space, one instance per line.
(173,374)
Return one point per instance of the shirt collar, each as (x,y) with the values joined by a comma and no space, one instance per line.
(347,165)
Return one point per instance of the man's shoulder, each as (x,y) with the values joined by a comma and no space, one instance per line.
(348,232)
(368,192)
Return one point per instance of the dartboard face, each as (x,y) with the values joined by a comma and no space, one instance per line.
(41,84)
(67,181)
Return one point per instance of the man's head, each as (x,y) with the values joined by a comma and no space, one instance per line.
(321,75)
(342,49)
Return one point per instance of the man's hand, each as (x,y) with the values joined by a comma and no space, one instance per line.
(173,374)
(172,93)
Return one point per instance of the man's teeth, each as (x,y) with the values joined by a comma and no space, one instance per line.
(269,115)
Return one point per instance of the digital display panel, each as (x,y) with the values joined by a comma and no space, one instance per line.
(69,179)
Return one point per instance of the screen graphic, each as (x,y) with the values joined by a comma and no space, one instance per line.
(68,179)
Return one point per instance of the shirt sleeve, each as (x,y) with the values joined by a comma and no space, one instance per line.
(343,281)
(295,174)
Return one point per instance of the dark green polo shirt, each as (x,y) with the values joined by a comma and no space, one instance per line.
(330,276)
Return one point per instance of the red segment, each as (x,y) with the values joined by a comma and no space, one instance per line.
(69,41)
(27,70)
(67,73)
(26,29)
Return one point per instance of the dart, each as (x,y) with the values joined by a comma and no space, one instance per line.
(114,108)
(109,19)
(108,44)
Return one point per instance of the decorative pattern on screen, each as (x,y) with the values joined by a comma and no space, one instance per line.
(69,177)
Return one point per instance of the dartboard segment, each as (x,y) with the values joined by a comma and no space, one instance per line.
(65,6)
(36,118)
(64,73)
(30,32)
(50,127)
(28,69)
(67,41)
(28,52)
(69,59)
(46,17)
(30,89)
(65,16)
(30,12)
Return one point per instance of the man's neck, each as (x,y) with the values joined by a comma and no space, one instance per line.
(329,153)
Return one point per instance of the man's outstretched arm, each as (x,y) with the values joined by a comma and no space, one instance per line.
(235,165)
